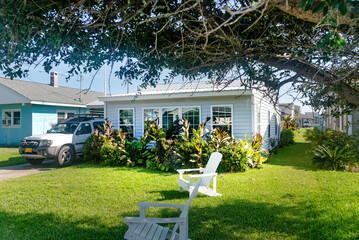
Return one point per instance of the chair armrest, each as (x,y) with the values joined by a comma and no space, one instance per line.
(170,205)
(202,175)
(153,220)
(190,170)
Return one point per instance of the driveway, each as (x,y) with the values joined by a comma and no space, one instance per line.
(25,169)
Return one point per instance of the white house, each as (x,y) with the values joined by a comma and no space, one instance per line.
(245,112)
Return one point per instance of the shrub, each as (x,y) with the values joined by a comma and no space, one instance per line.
(328,137)
(332,158)
(286,137)
(155,151)
(328,144)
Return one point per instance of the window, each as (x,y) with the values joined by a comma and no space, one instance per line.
(151,114)
(98,125)
(192,115)
(169,117)
(11,118)
(62,115)
(268,124)
(126,122)
(222,118)
(85,128)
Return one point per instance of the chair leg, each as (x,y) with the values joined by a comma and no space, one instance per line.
(181,189)
(215,184)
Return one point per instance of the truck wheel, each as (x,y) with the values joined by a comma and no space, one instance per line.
(34,162)
(65,157)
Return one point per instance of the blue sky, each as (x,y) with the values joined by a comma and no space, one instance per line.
(114,85)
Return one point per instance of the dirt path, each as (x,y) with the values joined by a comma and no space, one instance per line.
(25,169)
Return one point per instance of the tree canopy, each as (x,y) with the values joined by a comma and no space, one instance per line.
(311,44)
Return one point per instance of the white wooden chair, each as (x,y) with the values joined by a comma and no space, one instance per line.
(207,175)
(145,228)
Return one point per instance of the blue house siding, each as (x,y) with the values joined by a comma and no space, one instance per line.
(12,136)
(43,116)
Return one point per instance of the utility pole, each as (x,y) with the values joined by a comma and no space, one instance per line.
(104,82)
(81,78)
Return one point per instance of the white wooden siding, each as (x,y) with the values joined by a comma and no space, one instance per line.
(242,114)
(265,106)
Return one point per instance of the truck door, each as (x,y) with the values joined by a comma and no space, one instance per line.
(82,133)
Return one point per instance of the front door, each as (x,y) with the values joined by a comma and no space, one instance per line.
(80,136)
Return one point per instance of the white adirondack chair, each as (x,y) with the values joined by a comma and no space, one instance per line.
(145,228)
(207,175)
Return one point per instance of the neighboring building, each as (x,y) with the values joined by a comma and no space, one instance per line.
(303,120)
(241,112)
(30,108)
(289,109)
(317,120)
(344,123)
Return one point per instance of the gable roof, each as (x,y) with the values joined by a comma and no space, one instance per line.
(190,87)
(181,90)
(39,93)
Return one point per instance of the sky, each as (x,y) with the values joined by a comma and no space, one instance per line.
(114,85)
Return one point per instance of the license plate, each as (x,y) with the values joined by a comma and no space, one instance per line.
(28,150)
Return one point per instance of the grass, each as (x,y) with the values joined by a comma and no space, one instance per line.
(10,156)
(288,199)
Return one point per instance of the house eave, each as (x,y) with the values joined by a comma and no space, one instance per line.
(175,95)
(57,104)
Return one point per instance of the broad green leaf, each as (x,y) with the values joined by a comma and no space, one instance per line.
(318,8)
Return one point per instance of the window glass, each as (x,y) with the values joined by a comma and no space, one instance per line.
(169,117)
(222,118)
(192,115)
(16,120)
(7,114)
(98,125)
(269,123)
(126,121)
(85,128)
(151,114)
(61,116)
(70,115)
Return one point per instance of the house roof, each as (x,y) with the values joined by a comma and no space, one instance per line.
(181,90)
(39,93)
(304,116)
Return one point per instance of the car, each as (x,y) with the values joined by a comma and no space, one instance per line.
(63,142)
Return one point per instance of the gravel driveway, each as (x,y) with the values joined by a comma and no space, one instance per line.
(25,169)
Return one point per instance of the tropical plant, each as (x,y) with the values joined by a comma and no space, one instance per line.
(286,137)
(158,156)
(332,158)
(220,138)
(289,123)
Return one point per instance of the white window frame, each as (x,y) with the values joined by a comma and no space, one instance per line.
(143,117)
(269,124)
(200,112)
(12,118)
(180,113)
(232,116)
(64,111)
(133,122)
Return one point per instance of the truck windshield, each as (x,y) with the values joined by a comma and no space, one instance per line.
(64,128)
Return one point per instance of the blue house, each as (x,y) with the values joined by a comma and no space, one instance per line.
(30,108)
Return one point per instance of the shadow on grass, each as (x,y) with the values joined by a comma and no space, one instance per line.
(13,161)
(239,219)
(249,220)
(50,226)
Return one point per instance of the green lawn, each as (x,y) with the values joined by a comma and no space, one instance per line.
(10,156)
(288,199)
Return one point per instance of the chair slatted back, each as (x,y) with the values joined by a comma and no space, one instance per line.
(211,167)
